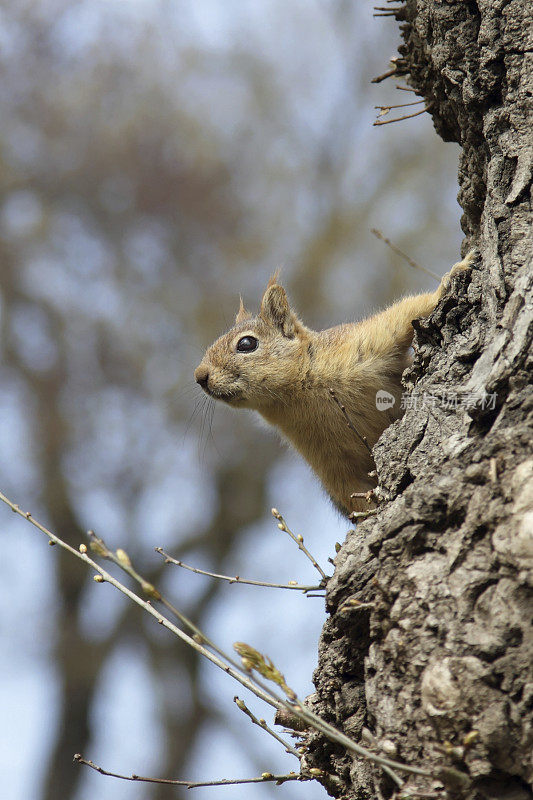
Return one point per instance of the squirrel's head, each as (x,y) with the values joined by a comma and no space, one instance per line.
(261,358)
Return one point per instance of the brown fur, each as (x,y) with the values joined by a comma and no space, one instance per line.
(288,377)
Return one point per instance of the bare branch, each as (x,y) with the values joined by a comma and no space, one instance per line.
(103,576)
(236,579)
(266,777)
(282,525)
(298,709)
(349,422)
(406,116)
(369,496)
(387,770)
(363,514)
(398,67)
(379,235)
(262,724)
(240,674)
(386,109)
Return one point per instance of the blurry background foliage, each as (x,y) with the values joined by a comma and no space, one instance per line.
(157,158)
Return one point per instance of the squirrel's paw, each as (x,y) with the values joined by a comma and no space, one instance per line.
(461,266)
(465,264)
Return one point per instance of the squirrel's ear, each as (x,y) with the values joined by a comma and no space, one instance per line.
(242,314)
(275,310)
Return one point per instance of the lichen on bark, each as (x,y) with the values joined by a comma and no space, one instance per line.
(435,667)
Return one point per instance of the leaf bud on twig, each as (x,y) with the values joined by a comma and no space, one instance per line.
(150,590)
(123,557)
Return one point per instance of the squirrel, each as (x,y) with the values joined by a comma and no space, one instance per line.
(312,385)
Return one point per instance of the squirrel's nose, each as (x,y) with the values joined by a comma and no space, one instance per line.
(201,376)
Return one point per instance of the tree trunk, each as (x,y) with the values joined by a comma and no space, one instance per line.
(437,672)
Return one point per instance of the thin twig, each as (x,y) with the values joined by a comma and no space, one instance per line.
(262,724)
(406,116)
(122,560)
(236,579)
(353,604)
(398,12)
(399,252)
(349,421)
(266,777)
(386,109)
(296,707)
(363,514)
(366,734)
(104,576)
(398,66)
(282,525)
(334,735)
(369,495)
(384,75)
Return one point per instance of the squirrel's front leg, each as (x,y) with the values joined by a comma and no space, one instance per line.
(391,330)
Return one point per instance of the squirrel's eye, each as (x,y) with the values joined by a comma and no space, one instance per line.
(247,344)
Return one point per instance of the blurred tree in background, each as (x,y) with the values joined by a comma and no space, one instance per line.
(157,159)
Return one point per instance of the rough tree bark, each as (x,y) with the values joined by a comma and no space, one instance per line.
(446,650)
